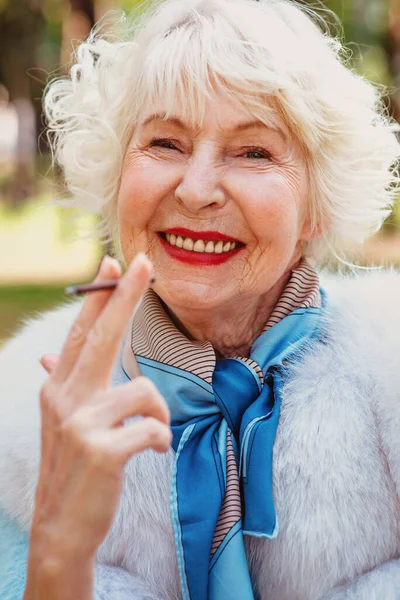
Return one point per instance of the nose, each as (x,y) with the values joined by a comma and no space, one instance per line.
(200,187)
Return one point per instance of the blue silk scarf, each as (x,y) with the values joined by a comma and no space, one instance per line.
(223,436)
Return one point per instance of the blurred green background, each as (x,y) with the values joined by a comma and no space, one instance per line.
(38,247)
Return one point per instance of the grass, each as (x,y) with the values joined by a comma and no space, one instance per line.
(43,244)
(40,256)
(20,302)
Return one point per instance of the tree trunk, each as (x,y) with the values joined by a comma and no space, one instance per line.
(393,53)
(20,28)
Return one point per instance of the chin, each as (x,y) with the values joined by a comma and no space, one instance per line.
(190,295)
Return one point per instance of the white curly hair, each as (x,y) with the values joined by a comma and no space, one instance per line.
(263,54)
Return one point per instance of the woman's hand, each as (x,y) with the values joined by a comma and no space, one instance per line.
(85,444)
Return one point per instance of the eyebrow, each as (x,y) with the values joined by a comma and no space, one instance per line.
(236,129)
(160,117)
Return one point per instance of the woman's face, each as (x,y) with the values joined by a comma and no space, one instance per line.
(232,192)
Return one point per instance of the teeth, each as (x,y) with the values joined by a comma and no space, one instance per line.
(188,244)
(199,245)
(210,247)
(219,246)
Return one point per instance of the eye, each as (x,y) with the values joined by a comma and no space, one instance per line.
(163,143)
(257,153)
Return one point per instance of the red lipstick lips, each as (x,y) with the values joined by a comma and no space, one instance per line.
(198,258)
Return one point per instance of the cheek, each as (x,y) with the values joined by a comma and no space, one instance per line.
(144,185)
(137,198)
(272,206)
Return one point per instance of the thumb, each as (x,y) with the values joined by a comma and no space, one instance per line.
(49,361)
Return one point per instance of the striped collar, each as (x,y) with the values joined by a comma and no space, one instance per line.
(153,335)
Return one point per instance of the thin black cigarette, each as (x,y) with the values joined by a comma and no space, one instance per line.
(85,288)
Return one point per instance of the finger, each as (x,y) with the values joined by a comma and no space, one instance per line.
(94,366)
(138,436)
(138,397)
(49,361)
(92,307)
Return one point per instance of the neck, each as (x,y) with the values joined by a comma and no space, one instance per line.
(233,329)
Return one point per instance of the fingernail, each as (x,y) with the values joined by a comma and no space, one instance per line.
(138,262)
(141,258)
(110,260)
(102,264)
(106,262)
(46,362)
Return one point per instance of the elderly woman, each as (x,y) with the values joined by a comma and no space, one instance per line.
(228,430)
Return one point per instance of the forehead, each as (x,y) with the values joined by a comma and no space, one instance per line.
(219,110)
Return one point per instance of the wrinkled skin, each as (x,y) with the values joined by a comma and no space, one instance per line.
(249,183)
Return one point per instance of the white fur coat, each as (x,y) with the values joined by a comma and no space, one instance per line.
(336,463)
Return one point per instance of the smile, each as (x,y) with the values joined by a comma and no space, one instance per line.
(199,248)
(193,245)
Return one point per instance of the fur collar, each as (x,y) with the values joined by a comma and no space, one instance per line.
(336,457)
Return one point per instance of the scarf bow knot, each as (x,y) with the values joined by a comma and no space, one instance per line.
(247,404)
